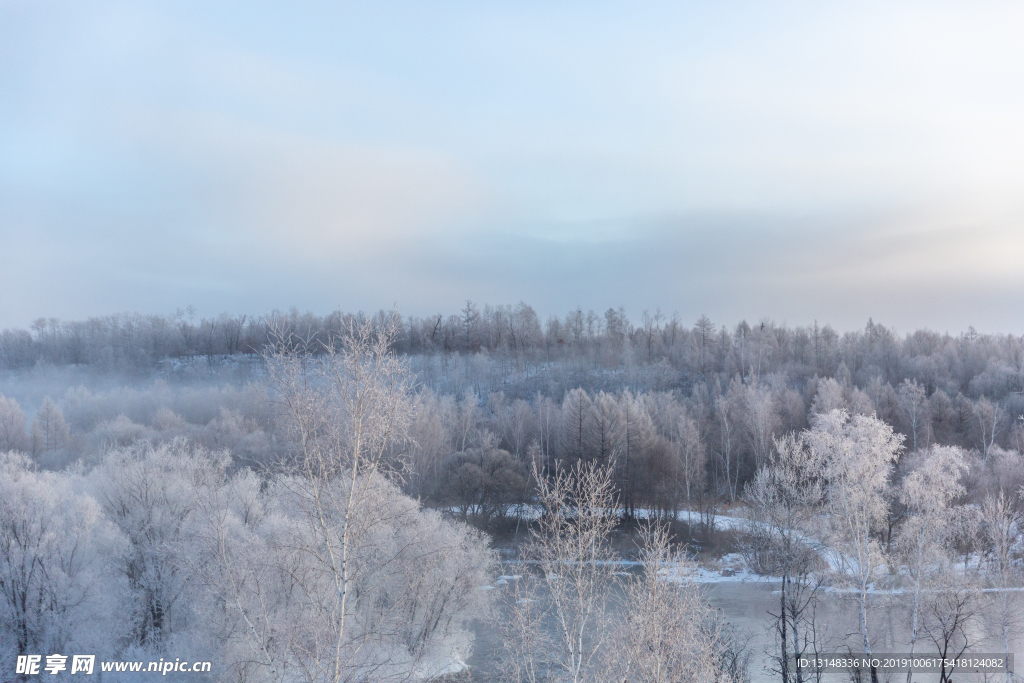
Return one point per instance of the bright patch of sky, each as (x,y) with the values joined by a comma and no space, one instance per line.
(791,160)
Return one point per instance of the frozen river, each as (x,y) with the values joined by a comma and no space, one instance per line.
(746,605)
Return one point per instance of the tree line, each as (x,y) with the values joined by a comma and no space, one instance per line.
(508,348)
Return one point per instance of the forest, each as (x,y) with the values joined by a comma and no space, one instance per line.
(348,497)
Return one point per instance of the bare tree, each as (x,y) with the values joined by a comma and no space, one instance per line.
(726,453)
(988,415)
(667,632)
(693,456)
(949,615)
(49,430)
(636,437)
(761,421)
(483,484)
(571,549)
(914,404)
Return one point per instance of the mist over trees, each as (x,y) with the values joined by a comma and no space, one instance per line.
(360,460)
(521,354)
(314,567)
(754,382)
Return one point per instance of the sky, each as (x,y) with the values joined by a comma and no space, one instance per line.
(796,161)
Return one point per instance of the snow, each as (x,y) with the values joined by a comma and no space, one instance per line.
(732,568)
(453,666)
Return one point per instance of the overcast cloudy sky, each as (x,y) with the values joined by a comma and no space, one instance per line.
(797,161)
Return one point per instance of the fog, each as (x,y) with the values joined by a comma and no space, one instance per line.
(747,446)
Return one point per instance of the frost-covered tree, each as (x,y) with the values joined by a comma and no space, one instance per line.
(12,426)
(725,419)
(829,397)
(56,591)
(575,424)
(667,633)
(1001,525)
(762,421)
(571,548)
(49,430)
(413,578)
(928,492)
(558,625)
(687,440)
(432,439)
(988,416)
(152,496)
(783,500)
(858,453)
(519,426)
(345,409)
(914,404)
(546,420)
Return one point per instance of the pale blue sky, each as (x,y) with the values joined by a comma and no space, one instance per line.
(797,161)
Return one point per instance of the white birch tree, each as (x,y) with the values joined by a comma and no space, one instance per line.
(344,406)
(783,499)
(572,551)
(928,492)
(667,633)
(988,416)
(914,403)
(1001,525)
(858,453)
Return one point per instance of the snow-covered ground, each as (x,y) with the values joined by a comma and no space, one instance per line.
(731,568)
(526,511)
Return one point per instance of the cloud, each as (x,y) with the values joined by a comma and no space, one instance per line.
(795,161)
(315,198)
(900,267)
